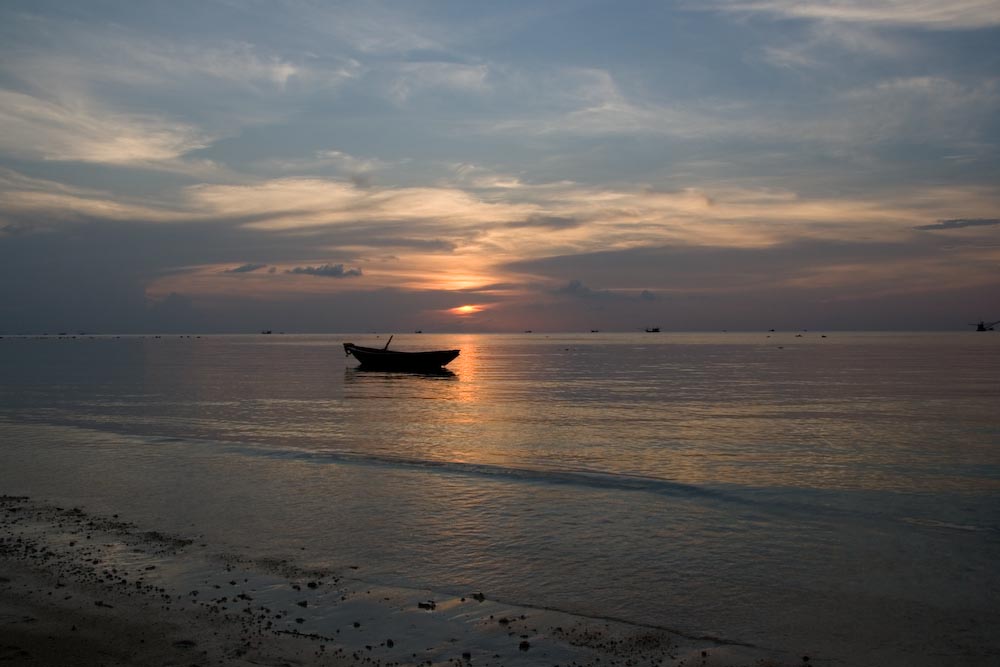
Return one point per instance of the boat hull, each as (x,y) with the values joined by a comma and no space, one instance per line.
(373,358)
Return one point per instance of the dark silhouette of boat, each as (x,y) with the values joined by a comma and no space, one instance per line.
(384,359)
(652,329)
(985,326)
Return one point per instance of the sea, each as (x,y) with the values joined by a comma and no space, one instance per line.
(830,494)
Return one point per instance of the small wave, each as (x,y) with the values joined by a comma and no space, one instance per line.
(571,477)
(946,525)
(791,503)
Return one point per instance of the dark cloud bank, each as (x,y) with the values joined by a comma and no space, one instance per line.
(326,270)
(960,223)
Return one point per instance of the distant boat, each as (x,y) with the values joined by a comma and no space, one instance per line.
(652,329)
(985,326)
(384,359)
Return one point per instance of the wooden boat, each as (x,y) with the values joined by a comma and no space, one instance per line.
(384,359)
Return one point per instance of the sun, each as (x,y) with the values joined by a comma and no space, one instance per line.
(465,310)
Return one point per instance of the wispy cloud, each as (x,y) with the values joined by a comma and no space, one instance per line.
(589,101)
(77,56)
(926,109)
(479,177)
(370,28)
(930,14)
(114,96)
(822,47)
(946,110)
(413,78)
(40,203)
(82,130)
(545,222)
(350,163)
(245,268)
(301,203)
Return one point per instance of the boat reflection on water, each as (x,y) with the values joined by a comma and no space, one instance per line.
(353,372)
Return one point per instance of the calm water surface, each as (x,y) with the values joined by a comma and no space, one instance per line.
(836,495)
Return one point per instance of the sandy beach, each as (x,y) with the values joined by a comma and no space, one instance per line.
(82,589)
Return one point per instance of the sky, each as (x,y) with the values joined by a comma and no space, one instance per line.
(317,166)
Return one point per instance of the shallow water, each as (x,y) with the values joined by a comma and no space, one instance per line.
(835,496)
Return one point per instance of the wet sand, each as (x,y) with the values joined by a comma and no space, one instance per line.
(82,589)
(65,599)
(48,623)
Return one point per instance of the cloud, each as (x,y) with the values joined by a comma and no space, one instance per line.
(960,223)
(927,14)
(933,108)
(849,267)
(40,203)
(79,55)
(493,288)
(589,101)
(375,30)
(863,113)
(361,171)
(350,163)
(576,288)
(245,268)
(478,177)
(76,55)
(418,77)
(110,94)
(86,131)
(309,202)
(823,47)
(545,222)
(326,270)
(230,62)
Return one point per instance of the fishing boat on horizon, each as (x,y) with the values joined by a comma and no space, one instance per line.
(384,359)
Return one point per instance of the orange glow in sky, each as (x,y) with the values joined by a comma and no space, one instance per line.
(465,310)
